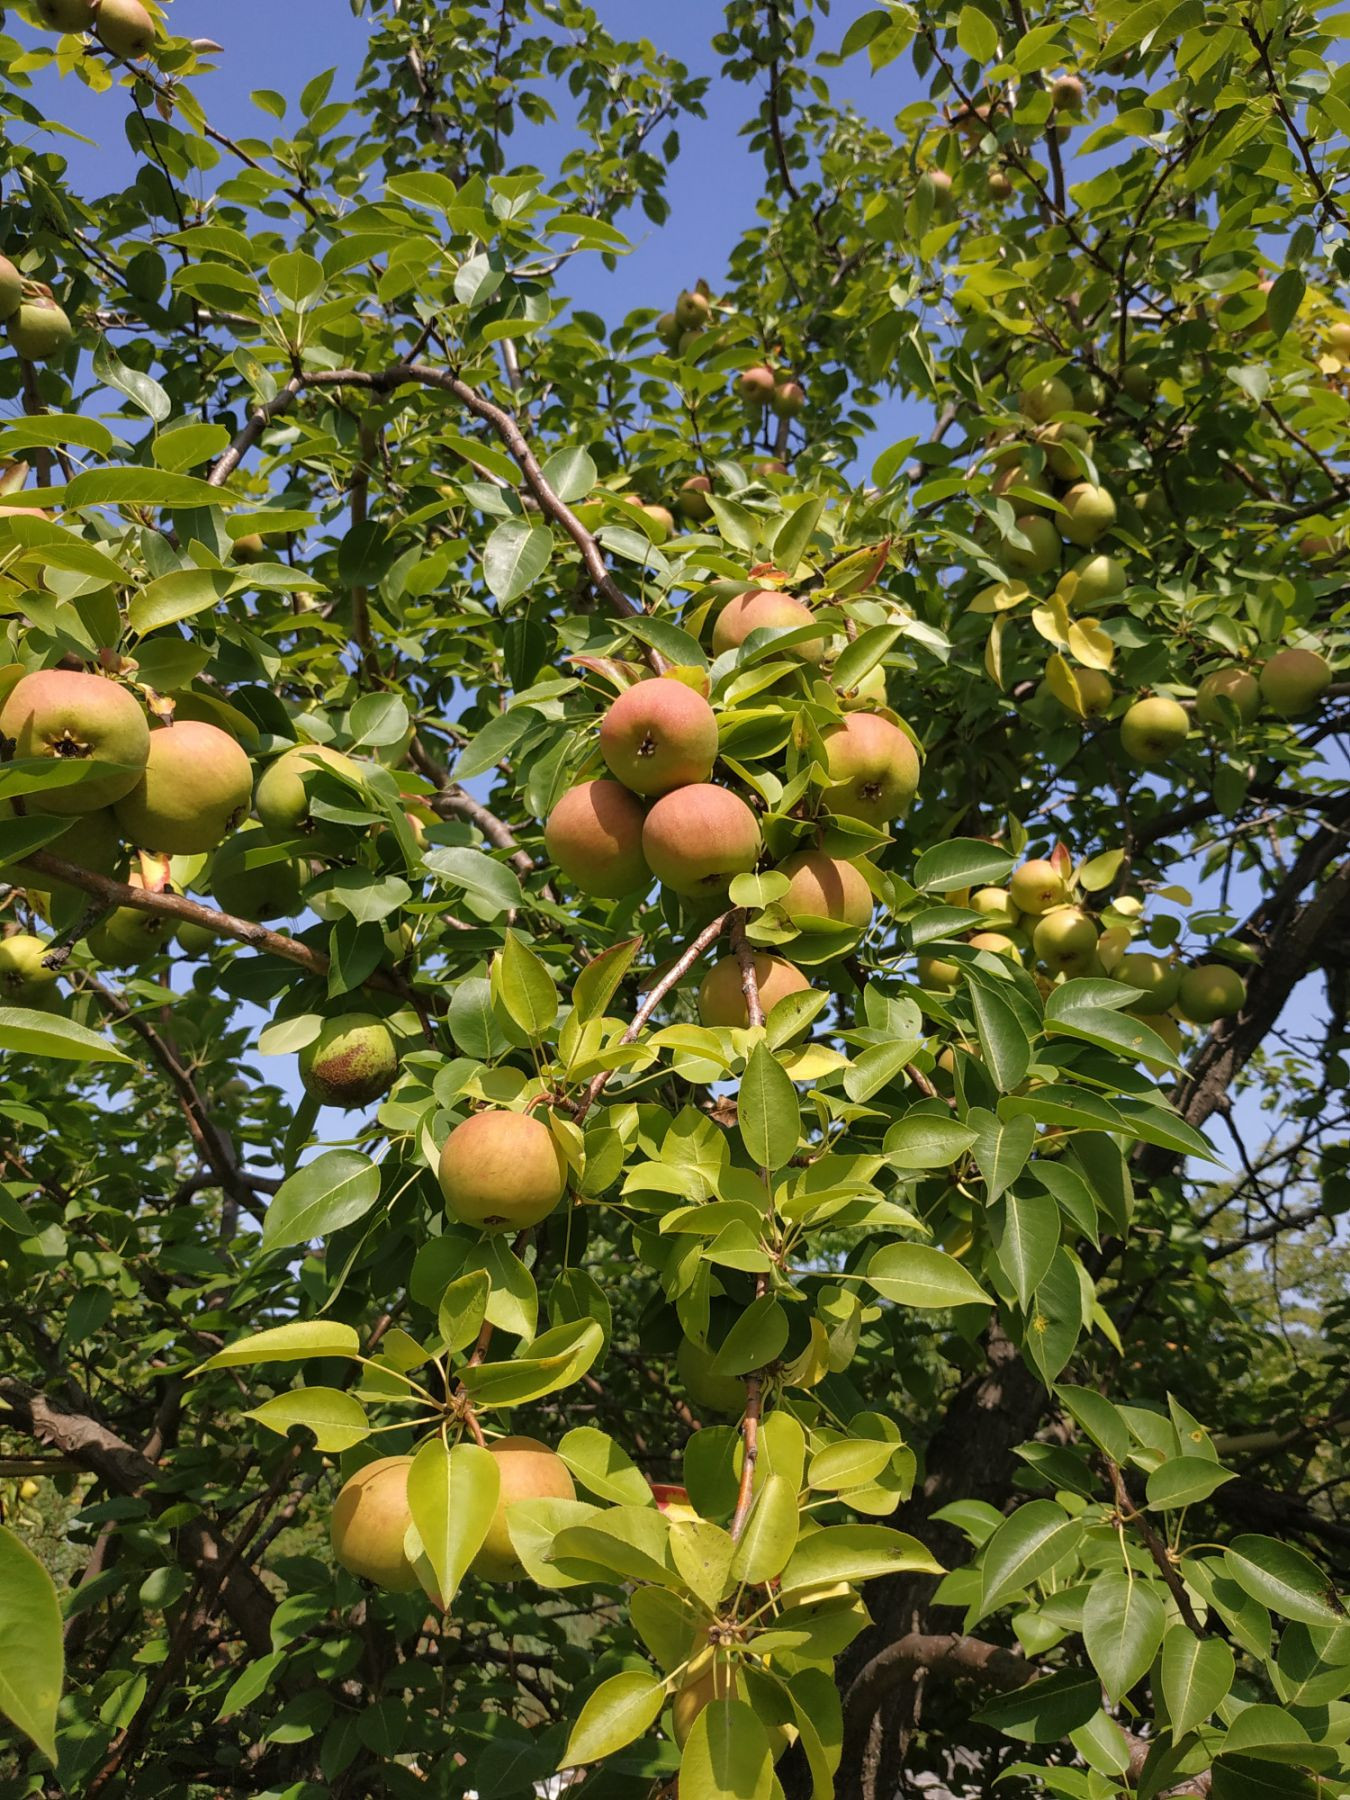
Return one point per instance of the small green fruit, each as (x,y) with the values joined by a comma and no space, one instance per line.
(1037,887)
(1041,400)
(1065,939)
(1153,729)
(11,289)
(691,498)
(282,799)
(23,980)
(67,15)
(125,28)
(39,330)
(1043,546)
(71,716)
(251,883)
(1293,681)
(351,1062)
(1088,512)
(1212,991)
(1099,577)
(196,787)
(873,768)
(1156,979)
(1239,689)
(692,311)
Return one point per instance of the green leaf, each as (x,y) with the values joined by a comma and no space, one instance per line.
(961,862)
(32,1658)
(1045,1711)
(817,1706)
(1007,1053)
(758,1337)
(1001,1150)
(855,1553)
(875,1068)
(977,34)
(604,1467)
(571,473)
(1025,1230)
(462,1309)
(337,1419)
(918,1275)
(1284,1579)
(334,1190)
(452,1496)
(1185,1481)
(727,1754)
(527,989)
(287,1343)
(1123,1623)
(492,884)
(487,456)
(1197,1673)
(927,1140)
(770,1534)
(141,487)
(1076,1010)
(702,1554)
(141,389)
(767,1111)
(794,534)
(619,1711)
(514,558)
(33,1033)
(1024,1547)
(1099,1419)
(602,977)
(557,1359)
(378,720)
(177,596)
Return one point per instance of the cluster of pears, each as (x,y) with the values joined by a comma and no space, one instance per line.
(122,26)
(762,386)
(371,1517)
(973,122)
(1289,684)
(1036,917)
(37,328)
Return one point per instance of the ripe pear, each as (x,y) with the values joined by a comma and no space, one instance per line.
(692,310)
(995,904)
(266,889)
(873,768)
(1152,730)
(1065,939)
(787,399)
(1099,577)
(1338,338)
(128,936)
(659,735)
(40,330)
(825,887)
(1015,474)
(11,293)
(755,385)
(996,943)
(1095,693)
(1211,991)
(721,998)
(352,1061)
(196,787)
(1240,689)
(369,1521)
(23,980)
(706,1390)
(691,498)
(1156,979)
(282,800)
(125,28)
(594,835)
(1088,511)
(1043,553)
(528,1470)
(869,693)
(696,838)
(1293,681)
(1037,886)
(1041,400)
(771,465)
(765,608)
(1064,432)
(501,1171)
(64,713)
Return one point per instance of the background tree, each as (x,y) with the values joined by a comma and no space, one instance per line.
(794,1244)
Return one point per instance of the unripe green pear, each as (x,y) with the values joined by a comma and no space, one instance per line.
(23,980)
(129,936)
(1037,886)
(11,293)
(282,799)
(1338,338)
(67,15)
(706,1390)
(1041,400)
(755,385)
(527,1470)
(1065,939)
(692,310)
(696,838)
(659,735)
(248,883)
(873,768)
(65,714)
(352,1061)
(40,330)
(721,996)
(1088,512)
(1293,681)
(939,974)
(501,1171)
(370,1519)
(1211,991)
(995,904)
(667,329)
(1043,551)
(826,888)
(196,940)
(1153,729)
(196,787)
(1237,687)
(998,184)
(996,943)
(594,835)
(868,694)
(1067,94)
(1137,380)
(761,609)
(787,399)
(1059,459)
(1015,474)
(1095,693)
(125,28)
(691,498)
(1099,577)
(1156,979)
